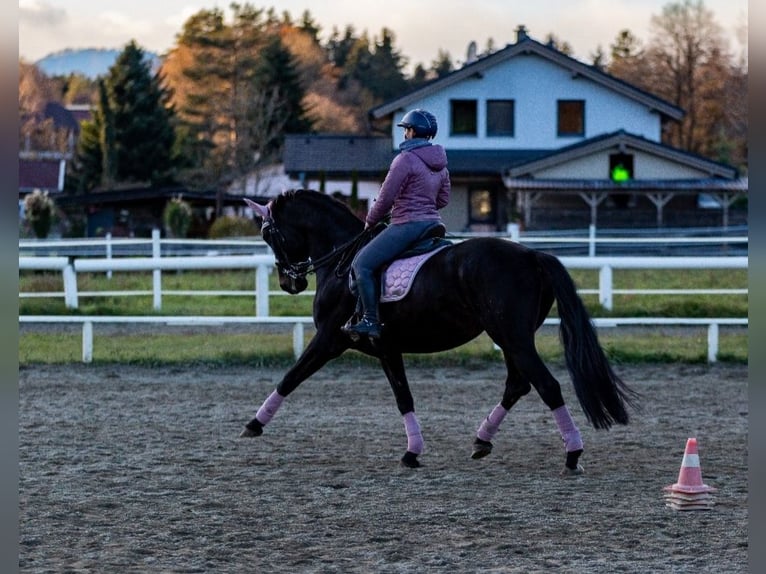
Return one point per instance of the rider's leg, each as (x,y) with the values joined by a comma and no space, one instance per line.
(383,249)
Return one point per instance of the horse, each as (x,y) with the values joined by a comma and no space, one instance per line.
(482,284)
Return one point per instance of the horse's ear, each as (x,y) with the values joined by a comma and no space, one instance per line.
(261,211)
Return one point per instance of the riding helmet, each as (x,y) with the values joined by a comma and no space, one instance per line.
(423,122)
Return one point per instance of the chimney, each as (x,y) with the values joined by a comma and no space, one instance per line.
(521,33)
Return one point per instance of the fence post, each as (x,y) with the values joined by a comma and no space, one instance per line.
(156,273)
(87,341)
(591,240)
(298,339)
(70,287)
(712,343)
(262,290)
(605,287)
(108,243)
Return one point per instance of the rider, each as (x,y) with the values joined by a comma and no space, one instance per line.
(416,187)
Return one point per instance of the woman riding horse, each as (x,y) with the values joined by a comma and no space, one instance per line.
(416,187)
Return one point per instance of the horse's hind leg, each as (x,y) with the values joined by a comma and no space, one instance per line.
(533,369)
(515,388)
(393,366)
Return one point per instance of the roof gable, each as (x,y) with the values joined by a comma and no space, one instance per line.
(621,141)
(524,47)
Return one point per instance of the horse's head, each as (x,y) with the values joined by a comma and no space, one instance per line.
(290,249)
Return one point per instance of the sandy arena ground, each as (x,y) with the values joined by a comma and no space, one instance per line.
(126,469)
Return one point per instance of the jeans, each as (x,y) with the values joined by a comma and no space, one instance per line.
(383,249)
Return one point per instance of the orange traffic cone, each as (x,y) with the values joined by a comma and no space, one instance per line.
(689,492)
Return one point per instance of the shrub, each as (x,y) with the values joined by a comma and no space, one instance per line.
(38,207)
(233,226)
(177,217)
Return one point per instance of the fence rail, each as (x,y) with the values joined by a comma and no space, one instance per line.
(263,264)
(299,323)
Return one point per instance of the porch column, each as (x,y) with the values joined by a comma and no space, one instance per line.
(659,200)
(593,199)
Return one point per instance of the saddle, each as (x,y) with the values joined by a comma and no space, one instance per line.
(397,277)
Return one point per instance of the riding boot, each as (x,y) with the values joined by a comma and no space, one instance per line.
(369,293)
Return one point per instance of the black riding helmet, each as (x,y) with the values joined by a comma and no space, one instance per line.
(423,122)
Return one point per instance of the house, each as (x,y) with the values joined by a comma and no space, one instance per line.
(535,136)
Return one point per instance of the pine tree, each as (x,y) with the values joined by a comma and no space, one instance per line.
(143,119)
(132,135)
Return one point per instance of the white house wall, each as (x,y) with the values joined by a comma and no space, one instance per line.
(535,84)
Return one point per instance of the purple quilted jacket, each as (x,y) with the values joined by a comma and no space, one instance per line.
(416,187)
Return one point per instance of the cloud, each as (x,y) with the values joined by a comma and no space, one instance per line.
(40,13)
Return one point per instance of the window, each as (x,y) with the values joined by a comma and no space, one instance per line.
(500,118)
(571,121)
(463,117)
(482,208)
(620,167)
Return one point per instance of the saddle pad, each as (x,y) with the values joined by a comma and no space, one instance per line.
(398,276)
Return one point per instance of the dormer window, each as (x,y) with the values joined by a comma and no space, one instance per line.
(571,118)
(463,121)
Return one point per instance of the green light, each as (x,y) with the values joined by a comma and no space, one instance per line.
(620,174)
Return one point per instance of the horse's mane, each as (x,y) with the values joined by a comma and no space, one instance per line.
(316,202)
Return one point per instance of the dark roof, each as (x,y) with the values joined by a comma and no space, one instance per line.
(337,154)
(144,195)
(42,174)
(623,140)
(524,47)
(370,157)
(62,117)
(480,162)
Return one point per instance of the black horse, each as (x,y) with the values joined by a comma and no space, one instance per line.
(482,284)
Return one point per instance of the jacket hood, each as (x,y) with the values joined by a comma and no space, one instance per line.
(434,156)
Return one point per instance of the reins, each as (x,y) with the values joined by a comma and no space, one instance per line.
(345,253)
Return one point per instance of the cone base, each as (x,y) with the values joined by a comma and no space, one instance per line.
(689,488)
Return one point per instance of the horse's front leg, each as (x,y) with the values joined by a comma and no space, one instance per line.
(322,348)
(393,366)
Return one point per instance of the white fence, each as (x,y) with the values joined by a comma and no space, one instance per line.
(299,324)
(263,264)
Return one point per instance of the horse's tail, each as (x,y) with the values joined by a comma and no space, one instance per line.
(602,394)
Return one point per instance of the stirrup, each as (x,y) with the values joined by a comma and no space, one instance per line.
(366,326)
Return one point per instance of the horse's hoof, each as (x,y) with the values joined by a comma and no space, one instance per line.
(572,471)
(410,460)
(481,448)
(572,467)
(253,428)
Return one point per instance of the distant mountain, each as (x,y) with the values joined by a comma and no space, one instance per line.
(90,62)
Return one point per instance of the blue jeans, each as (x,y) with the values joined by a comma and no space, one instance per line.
(383,249)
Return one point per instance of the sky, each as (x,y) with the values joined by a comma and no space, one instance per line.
(421,27)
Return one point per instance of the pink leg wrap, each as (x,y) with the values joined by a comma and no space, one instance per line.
(570,434)
(269,407)
(414,436)
(488,427)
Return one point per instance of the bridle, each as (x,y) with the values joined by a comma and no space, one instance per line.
(276,240)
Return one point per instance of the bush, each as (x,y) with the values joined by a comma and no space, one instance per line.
(38,208)
(233,226)
(177,217)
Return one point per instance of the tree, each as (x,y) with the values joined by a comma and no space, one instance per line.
(132,135)
(684,39)
(143,118)
(237,90)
